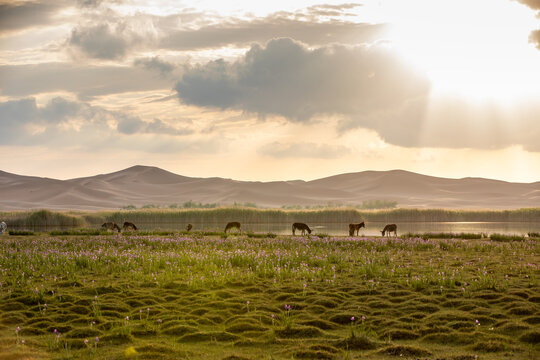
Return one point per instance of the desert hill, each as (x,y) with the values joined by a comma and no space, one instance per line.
(141,185)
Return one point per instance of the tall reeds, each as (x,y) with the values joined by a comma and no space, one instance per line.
(217,217)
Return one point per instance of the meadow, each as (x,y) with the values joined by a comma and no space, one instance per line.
(197,296)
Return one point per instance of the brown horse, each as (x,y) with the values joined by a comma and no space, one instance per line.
(189,227)
(129,226)
(234,224)
(389,229)
(110,226)
(355,227)
(300,226)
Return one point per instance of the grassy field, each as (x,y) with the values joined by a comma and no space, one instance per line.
(267,297)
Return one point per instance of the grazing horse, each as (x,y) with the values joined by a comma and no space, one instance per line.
(3,227)
(389,229)
(110,226)
(234,224)
(355,227)
(189,227)
(129,226)
(300,226)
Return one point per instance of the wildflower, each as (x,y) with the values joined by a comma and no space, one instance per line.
(97,339)
(352,318)
(17,329)
(127,318)
(159,321)
(130,352)
(85,341)
(477,322)
(55,331)
(363,318)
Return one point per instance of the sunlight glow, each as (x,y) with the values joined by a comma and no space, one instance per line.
(475,48)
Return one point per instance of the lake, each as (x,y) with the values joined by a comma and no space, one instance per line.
(373,228)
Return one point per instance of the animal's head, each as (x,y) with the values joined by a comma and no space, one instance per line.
(362,225)
(309,230)
(382,232)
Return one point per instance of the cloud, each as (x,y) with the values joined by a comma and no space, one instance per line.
(155,63)
(245,32)
(132,125)
(534,38)
(360,87)
(84,80)
(17,16)
(63,121)
(303,150)
(286,78)
(100,41)
(533,4)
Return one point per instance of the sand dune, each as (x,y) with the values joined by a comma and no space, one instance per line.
(141,185)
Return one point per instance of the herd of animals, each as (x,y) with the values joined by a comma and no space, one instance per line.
(388,229)
(353,228)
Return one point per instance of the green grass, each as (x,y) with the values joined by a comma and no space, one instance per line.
(502,237)
(196,296)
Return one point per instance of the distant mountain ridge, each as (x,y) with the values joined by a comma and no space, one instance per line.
(141,185)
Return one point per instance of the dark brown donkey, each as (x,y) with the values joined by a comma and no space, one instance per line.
(300,226)
(234,224)
(129,226)
(389,229)
(355,227)
(110,226)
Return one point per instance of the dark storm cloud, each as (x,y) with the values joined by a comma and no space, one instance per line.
(285,78)
(16,16)
(303,150)
(84,80)
(18,116)
(100,42)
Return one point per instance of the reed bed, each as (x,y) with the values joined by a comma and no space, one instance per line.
(219,216)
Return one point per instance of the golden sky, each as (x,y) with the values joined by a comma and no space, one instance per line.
(271,90)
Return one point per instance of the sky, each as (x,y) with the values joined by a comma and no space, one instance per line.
(267,91)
